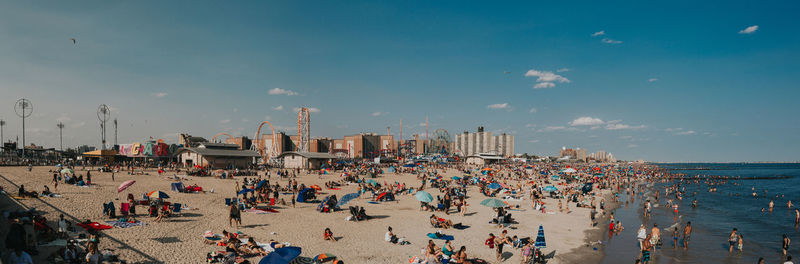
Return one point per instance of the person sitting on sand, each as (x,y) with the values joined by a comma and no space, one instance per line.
(328,235)
(275,244)
(252,248)
(432,251)
(441,222)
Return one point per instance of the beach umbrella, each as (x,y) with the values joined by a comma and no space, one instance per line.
(245,190)
(347,198)
(550,189)
(315,187)
(67,171)
(303,260)
(261,183)
(494,203)
(423,196)
(125,185)
(569,170)
(373,182)
(324,257)
(409,165)
(157,195)
(455,178)
(487,169)
(281,256)
(494,185)
(540,243)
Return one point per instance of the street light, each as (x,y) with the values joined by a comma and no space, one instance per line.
(60,135)
(2,140)
(23,108)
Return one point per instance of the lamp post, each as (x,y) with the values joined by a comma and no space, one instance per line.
(60,126)
(23,108)
(103,113)
(2,139)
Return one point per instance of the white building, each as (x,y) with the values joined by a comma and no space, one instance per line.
(483,142)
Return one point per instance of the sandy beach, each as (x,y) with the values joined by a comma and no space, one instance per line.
(359,242)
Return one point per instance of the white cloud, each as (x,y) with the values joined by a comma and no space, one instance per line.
(617,126)
(533,110)
(685,133)
(530,125)
(498,106)
(279,91)
(563,70)
(278,108)
(77,125)
(749,30)
(533,141)
(224,121)
(611,41)
(652,79)
(546,76)
(159,95)
(310,109)
(586,121)
(543,85)
(378,114)
(552,128)
(599,33)
(673,129)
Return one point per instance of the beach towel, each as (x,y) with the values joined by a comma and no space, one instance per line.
(373,202)
(94,226)
(255,211)
(442,237)
(123,224)
(335,189)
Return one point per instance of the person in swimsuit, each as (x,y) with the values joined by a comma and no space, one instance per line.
(646,246)
(447,250)
(499,242)
(785,245)
(675,238)
(328,235)
(687,233)
(235,216)
(732,239)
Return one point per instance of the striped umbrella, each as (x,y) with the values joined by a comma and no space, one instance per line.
(540,243)
(346,198)
(125,185)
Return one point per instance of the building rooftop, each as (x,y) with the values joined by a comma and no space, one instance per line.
(220,152)
(310,155)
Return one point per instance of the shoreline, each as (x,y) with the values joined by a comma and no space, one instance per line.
(586,252)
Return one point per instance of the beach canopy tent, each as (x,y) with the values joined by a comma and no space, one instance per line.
(282,255)
(176,187)
(306,195)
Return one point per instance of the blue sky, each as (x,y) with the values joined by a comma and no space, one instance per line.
(676,81)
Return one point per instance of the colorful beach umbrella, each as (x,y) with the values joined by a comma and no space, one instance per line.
(157,195)
(125,185)
(540,243)
(487,169)
(281,256)
(494,185)
(423,196)
(494,203)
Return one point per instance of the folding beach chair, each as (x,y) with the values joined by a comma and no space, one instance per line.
(176,209)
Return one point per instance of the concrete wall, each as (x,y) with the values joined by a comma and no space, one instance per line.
(475,161)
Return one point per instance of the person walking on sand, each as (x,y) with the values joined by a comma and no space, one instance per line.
(235,216)
(687,233)
(499,242)
(641,234)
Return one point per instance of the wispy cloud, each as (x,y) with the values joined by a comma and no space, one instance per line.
(546,76)
(310,109)
(530,125)
(673,129)
(543,85)
(278,108)
(533,141)
(686,133)
(159,95)
(652,79)
(632,145)
(499,106)
(224,121)
(378,113)
(586,121)
(618,126)
(611,41)
(749,30)
(533,110)
(599,33)
(279,91)
(563,70)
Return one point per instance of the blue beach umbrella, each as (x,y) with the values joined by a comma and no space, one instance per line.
(540,243)
(261,183)
(494,185)
(550,189)
(243,191)
(455,178)
(409,165)
(281,256)
(423,196)
(494,203)
(347,198)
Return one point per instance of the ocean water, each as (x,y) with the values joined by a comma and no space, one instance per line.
(717,213)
